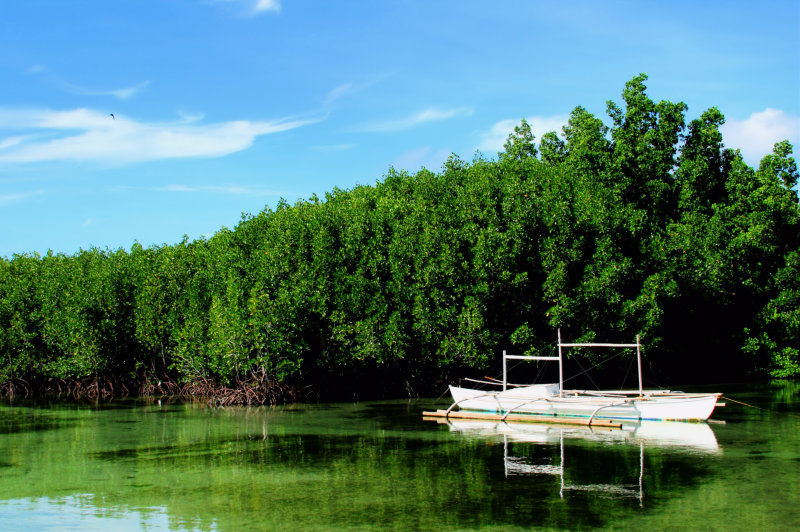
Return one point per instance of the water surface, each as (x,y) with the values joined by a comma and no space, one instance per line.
(138,465)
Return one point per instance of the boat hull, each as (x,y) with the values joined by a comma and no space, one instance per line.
(657,406)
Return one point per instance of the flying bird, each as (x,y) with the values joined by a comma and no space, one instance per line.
(112,116)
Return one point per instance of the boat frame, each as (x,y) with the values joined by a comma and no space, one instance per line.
(560,360)
(542,402)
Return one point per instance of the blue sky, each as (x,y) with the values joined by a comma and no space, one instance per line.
(225,106)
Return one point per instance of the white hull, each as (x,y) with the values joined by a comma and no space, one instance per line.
(544,400)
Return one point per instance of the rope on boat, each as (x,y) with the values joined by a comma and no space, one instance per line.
(743,403)
(494,382)
(758,407)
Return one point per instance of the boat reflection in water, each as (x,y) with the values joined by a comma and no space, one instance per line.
(669,436)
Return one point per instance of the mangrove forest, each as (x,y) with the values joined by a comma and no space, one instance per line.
(644,224)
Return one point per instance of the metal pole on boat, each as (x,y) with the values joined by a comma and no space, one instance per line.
(560,368)
(639,362)
(504,370)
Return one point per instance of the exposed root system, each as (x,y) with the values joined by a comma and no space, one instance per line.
(15,387)
(93,387)
(255,388)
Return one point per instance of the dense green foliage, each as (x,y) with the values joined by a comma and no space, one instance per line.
(648,226)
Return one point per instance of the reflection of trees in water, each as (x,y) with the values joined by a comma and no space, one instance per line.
(329,466)
(786,392)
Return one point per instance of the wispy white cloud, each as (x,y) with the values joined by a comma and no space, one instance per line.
(251,8)
(237,190)
(9,142)
(334,147)
(421,157)
(7,199)
(35,69)
(262,6)
(122,93)
(756,135)
(432,114)
(337,93)
(88,135)
(494,139)
(177,188)
(347,90)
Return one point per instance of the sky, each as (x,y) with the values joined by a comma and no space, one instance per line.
(146,121)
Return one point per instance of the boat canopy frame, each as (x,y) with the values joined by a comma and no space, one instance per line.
(560,360)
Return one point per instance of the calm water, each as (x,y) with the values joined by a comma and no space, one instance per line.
(133,465)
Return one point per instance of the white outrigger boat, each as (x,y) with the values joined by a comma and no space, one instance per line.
(551,402)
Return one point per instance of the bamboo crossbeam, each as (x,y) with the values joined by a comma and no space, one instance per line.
(598,345)
(488,416)
(530,357)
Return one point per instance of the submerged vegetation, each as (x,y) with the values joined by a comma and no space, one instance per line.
(648,226)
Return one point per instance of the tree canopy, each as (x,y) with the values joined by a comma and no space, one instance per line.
(645,226)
